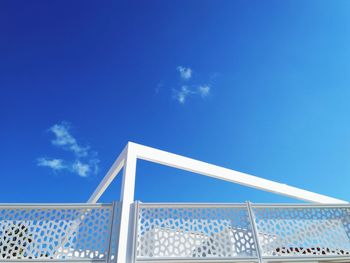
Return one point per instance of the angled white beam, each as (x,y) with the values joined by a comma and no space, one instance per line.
(199,167)
(109,177)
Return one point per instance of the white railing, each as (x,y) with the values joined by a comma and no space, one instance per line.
(183,232)
(242,232)
(126,165)
(58,232)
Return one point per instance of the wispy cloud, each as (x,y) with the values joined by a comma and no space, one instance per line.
(66,141)
(181,94)
(85,161)
(184,92)
(54,164)
(185,73)
(82,169)
(188,87)
(203,90)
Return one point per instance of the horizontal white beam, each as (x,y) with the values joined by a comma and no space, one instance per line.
(109,177)
(195,166)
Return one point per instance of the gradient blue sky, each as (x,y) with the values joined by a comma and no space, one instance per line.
(275,103)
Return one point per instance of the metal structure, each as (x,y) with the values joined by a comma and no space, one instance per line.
(132,232)
(242,232)
(194,231)
(65,232)
(179,232)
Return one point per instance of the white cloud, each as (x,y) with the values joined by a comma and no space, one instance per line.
(82,169)
(185,73)
(55,164)
(183,91)
(65,140)
(204,90)
(93,162)
(85,161)
(181,95)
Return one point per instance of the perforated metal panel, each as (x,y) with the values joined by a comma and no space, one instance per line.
(54,232)
(303,231)
(176,232)
(194,232)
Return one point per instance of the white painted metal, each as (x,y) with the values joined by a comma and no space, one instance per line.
(109,177)
(174,233)
(192,232)
(55,232)
(254,232)
(127,199)
(133,151)
(195,166)
(199,167)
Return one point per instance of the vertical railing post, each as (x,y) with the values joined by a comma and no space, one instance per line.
(135,232)
(111,226)
(127,199)
(254,231)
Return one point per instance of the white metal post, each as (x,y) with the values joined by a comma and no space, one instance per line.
(254,231)
(127,199)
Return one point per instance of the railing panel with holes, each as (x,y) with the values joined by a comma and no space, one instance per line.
(55,232)
(176,232)
(194,231)
(303,230)
(242,232)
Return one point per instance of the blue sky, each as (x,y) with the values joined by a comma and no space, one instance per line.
(262,87)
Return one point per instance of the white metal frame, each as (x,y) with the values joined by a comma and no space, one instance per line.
(128,158)
(20,214)
(250,208)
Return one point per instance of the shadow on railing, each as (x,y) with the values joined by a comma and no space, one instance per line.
(242,232)
(60,232)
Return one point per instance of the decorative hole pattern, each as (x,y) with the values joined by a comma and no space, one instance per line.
(54,233)
(302,231)
(192,232)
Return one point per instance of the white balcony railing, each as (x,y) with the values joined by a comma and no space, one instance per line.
(58,232)
(176,232)
(242,232)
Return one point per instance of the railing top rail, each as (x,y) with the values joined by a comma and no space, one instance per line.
(173,205)
(239,205)
(190,205)
(211,259)
(307,258)
(53,205)
(296,205)
(48,260)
